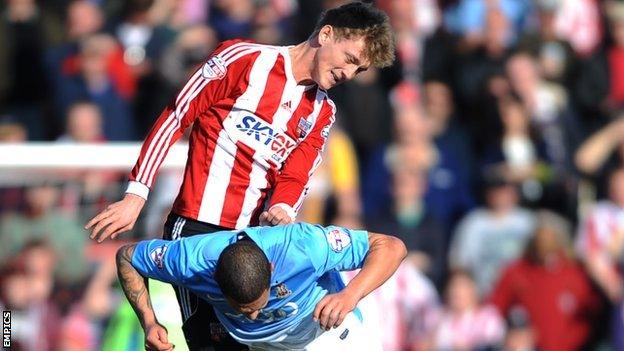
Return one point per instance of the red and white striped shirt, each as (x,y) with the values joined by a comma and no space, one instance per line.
(254,130)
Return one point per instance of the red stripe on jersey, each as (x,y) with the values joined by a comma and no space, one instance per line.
(239,182)
(304,109)
(273,90)
(196,173)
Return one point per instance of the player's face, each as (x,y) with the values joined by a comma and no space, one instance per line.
(252,309)
(337,60)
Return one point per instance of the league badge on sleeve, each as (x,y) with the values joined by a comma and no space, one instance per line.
(157,255)
(214,69)
(338,239)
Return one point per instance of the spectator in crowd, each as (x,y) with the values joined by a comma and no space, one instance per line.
(96,81)
(548,108)
(600,243)
(517,154)
(186,54)
(42,221)
(25,32)
(143,41)
(84,124)
(477,63)
(25,290)
(449,193)
(89,191)
(551,287)
(466,324)
(555,56)
(403,312)
(410,220)
(487,238)
(83,18)
(411,145)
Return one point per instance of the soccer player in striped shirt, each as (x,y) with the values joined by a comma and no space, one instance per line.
(260,117)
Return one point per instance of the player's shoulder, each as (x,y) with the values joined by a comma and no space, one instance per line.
(237,50)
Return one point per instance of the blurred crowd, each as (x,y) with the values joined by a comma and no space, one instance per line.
(494,147)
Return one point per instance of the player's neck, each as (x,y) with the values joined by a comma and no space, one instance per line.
(302,57)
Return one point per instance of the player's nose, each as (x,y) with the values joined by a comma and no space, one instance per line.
(253,315)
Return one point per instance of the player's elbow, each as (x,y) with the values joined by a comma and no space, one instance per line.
(398,246)
(124,255)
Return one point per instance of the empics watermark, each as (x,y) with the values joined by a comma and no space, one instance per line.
(6,329)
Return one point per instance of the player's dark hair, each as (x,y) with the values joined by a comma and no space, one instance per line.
(243,271)
(358,19)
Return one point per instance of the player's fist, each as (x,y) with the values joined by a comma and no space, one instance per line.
(117,218)
(156,338)
(333,308)
(275,215)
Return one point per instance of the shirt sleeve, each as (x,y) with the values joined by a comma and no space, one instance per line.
(215,80)
(162,260)
(291,183)
(335,248)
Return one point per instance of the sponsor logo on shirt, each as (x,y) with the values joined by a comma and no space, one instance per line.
(157,255)
(338,239)
(214,68)
(258,134)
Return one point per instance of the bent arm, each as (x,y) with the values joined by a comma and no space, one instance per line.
(383,259)
(594,152)
(134,286)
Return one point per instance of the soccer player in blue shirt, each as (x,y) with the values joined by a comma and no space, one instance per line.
(271,287)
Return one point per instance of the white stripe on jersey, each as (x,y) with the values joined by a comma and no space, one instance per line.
(257,181)
(218,178)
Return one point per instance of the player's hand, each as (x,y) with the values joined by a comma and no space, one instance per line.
(275,216)
(156,338)
(117,218)
(333,308)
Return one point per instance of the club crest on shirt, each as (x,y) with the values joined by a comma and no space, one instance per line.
(303,127)
(157,255)
(214,69)
(281,291)
(338,239)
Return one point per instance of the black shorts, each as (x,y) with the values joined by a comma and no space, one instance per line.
(202,330)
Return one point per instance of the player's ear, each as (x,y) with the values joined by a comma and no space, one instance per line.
(325,34)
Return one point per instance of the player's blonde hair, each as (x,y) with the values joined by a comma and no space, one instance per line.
(360,20)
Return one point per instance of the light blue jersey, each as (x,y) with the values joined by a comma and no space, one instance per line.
(301,254)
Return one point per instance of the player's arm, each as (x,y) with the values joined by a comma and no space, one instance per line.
(134,286)
(210,83)
(290,185)
(385,254)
